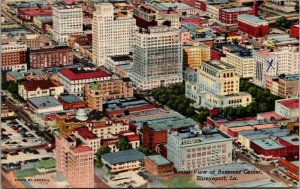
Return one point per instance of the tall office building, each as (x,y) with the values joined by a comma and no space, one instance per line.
(157,59)
(112,34)
(67,20)
(75,161)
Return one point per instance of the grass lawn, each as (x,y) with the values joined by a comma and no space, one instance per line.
(180,182)
(26,173)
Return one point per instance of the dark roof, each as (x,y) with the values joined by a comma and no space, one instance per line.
(69,98)
(78,74)
(123,156)
(32,85)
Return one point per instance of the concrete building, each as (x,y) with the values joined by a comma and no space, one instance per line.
(288,108)
(158,165)
(108,27)
(16,76)
(131,160)
(253,25)
(87,137)
(75,161)
(195,54)
(230,15)
(285,86)
(44,104)
(67,20)
(281,60)
(96,93)
(112,62)
(50,56)
(193,149)
(31,40)
(74,79)
(243,62)
(217,86)
(38,88)
(13,56)
(157,60)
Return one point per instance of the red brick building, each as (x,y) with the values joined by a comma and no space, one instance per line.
(13,56)
(294,32)
(50,56)
(230,15)
(253,25)
(70,101)
(158,165)
(28,13)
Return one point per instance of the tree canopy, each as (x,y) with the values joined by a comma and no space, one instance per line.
(123,144)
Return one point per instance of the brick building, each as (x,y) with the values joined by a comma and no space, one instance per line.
(230,15)
(50,56)
(253,25)
(13,56)
(285,86)
(158,165)
(70,101)
(28,13)
(294,31)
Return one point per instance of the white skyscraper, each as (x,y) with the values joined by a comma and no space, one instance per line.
(112,33)
(67,20)
(157,57)
(282,60)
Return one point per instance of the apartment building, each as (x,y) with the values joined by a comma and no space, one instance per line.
(75,161)
(217,86)
(281,60)
(285,86)
(192,149)
(67,20)
(108,27)
(195,54)
(13,56)
(95,93)
(157,60)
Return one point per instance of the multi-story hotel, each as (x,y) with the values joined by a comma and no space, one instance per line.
(157,59)
(192,149)
(195,54)
(74,79)
(282,60)
(75,161)
(217,86)
(13,56)
(243,62)
(112,34)
(67,20)
(95,93)
(285,86)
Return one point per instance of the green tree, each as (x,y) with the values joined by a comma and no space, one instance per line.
(263,107)
(145,150)
(283,22)
(123,144)
(99,163)
(102,150)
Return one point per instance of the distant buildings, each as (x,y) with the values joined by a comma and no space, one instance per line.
(95,93)
(195,54)
(108,27)
(281,60)
(13,56)
(67,20)
(157,60)
(285,86)
(29,13)
(31,40)
(130,160)
(192,149)
(217,86)
(75,161)
(16,76)
(288,108)
(158,165)
(74,79)
(38,88)
(253,25)
(230,15)
(50,56)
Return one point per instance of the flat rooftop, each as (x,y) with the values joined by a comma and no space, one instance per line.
(126,67)
(264,133)
(292,103)
(44,102)
(70,98)
(252,18)
(175,124)
(20,74)
(122,104)
(294,140)
(238,9)
(219,65)
(206,136)
(247,123)
(267,144)
(126,156)
(166,6)
(121,58)
(158,159)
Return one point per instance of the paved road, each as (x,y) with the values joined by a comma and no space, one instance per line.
(264,168)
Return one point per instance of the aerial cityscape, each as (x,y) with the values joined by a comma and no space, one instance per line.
(149,93)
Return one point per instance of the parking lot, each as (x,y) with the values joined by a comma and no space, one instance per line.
(16,135)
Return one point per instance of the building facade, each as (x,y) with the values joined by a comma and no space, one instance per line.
(67,20)
(281,60)
(194,149)
(50,56)
(158,165)
(107,28)
(29,13)
(285,86)
(230,15)
(288,108)
(253,25)
(157,60)
(95,93)
(75,161)
(195,54)
(13,56)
